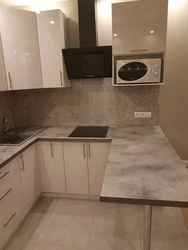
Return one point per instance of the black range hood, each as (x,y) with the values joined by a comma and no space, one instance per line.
(88,61)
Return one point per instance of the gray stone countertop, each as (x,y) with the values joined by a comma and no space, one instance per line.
(143,168)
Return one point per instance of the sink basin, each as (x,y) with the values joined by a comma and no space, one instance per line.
(12,138)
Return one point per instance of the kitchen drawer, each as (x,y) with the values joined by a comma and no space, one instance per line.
(9,187)
(10,216)
(8,170)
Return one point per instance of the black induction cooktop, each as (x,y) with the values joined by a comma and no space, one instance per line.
(90,131)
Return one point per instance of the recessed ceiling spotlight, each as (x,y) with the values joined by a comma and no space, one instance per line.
(115,34)
(152,32)
(52,22)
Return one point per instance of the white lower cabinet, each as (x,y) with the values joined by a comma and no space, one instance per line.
(75,157)
(97,159)
(11,216)
(54,167)
(30,176)
(85,164)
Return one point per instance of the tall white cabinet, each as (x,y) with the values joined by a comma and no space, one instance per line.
(52,30)
(20,48)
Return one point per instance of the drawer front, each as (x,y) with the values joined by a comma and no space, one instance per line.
(10,217)
(7,171)
(10,187)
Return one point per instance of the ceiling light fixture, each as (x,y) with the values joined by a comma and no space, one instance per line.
(152,32)
(115,34)
(52,22)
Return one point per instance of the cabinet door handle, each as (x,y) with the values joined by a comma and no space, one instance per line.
(89,149)
(4,175)
(10,80)
(84,150)
(23,165)
(12,216)
(61,74)
(138,50)
(52,150)
(5,194)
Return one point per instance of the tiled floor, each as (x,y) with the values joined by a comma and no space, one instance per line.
(59,224)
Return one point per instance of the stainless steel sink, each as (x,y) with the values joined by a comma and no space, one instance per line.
(12,138)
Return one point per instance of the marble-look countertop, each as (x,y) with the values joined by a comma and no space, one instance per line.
(143,168)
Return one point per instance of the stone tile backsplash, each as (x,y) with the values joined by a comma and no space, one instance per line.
(88,102)
(6,101)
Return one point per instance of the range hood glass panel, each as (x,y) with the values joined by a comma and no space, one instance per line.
(95,62)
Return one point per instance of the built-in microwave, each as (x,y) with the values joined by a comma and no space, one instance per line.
(131,71)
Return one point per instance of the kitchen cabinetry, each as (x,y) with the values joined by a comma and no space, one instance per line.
(3,80)
(97,159)
(52,30)
(85,165)
(30,176)
(11,216)
(54,167)
(20,48)
(139,27)
(75,157)
(11,200)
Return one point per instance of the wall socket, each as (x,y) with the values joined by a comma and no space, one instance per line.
(142,115)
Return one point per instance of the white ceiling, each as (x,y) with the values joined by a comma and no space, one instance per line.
(27,2)
(37,2)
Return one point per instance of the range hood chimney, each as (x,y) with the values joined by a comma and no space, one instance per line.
(87,24)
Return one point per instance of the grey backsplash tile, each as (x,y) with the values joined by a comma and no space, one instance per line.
(6,101)
(88,102)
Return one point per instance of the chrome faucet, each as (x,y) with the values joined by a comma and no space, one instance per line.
(5,125)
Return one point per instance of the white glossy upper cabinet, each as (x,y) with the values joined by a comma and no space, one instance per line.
(20,48)
(3,81)
(52,30)
(139,27)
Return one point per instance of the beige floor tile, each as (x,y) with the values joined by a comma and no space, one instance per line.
(111,231)
(55,247)
(70,205)
(45,205)
(114,208)
(68,229)
(29,232)
(160,245)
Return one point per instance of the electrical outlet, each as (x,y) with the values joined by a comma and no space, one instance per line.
(142,115)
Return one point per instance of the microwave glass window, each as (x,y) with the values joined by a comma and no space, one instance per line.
(132,71)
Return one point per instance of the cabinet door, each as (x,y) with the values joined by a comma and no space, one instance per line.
(139,27)
(52,39)
(54,167)
(30,176)
(3,80)
(75,157)
(21,48)
(97,159)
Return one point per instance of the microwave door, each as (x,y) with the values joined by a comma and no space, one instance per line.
(132,72)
